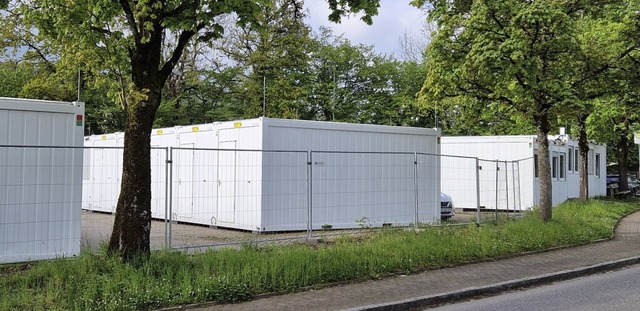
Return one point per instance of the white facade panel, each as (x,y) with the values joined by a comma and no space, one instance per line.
(252,174)
(160,138)
(459,175)
(40,188)
(192,174)
(102,172)
(513,185)
(365,174)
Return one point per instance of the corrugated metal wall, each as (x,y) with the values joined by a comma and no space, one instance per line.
(40,188)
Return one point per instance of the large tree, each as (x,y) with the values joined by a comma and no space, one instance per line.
(618,110)
(517,55)
(274,61)
(125,42)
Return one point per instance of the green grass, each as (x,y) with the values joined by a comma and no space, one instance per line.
(95,282)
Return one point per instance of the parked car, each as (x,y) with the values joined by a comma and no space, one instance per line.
(446,207)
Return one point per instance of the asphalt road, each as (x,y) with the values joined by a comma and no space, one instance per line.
(617,290)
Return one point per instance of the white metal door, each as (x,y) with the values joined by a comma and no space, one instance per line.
(108,168)
(184,208)
(227,174)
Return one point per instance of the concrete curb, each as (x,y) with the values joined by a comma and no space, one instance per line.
(495,289)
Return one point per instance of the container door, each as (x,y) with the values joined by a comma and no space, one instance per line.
(108,167)
(185,167)
(227,174)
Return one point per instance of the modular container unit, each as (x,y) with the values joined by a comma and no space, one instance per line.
(101,182)
(507,175)
(252,174)
(348,182)
(103,155)
(40,187)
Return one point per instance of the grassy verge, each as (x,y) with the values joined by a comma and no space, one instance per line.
(93,282)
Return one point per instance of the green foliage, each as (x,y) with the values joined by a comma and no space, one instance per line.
(13,77)
(93,282)
(340,8)
(276,58)
(354,84)
(514,65)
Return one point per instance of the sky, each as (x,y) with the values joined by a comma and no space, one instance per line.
(393,19)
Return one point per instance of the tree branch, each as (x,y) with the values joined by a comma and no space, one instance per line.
(183,40)
(48,63)
(604,67)
(130,19)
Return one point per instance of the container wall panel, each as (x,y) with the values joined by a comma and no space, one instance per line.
(102,172)
(598,183)
(160,139)
(240,175)
(518,188)
(252,174)
(40,187)
(363,175)
(496,180)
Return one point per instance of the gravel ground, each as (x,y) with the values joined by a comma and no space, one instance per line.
(97,226)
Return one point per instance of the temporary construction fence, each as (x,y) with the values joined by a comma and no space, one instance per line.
(298,194)
(522,151)
(479,184)
(315,193)
(276,191)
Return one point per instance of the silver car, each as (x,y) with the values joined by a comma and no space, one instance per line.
(446,207)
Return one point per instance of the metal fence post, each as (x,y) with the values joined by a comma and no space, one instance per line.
(170,196)
(478,168)
(166,196)
(309,193)
(519,195)
(497,177)
(513,184)
(415,186)
(506,186)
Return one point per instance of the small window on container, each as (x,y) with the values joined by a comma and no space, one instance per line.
(561,166)
(576,162)
(597,164)
(554,165)
(535,165)
(591,162)
(570,162)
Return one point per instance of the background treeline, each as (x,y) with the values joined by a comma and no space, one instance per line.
(284,69)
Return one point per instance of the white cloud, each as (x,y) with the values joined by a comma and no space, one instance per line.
(393,19)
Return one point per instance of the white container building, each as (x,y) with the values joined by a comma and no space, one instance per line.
(252,174)
(508,165)
(40,187)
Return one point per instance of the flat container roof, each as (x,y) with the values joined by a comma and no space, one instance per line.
(38,105)
(328,125)
(488,139)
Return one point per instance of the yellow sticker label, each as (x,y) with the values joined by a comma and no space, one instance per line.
(237,124)
(104,137)
(195,129)
(160,132)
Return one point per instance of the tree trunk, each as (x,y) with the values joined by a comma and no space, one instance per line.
(544,167)
(132,226)
(583,145)
(622,150)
